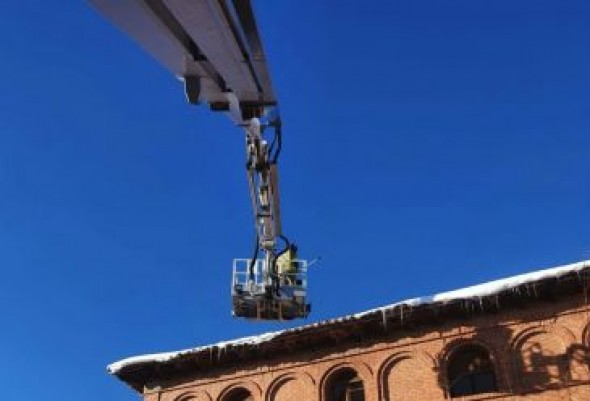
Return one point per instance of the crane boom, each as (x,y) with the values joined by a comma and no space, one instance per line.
(214,47)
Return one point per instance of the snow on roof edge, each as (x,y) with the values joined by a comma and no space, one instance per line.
(116,367)
(485,289)
(476,291)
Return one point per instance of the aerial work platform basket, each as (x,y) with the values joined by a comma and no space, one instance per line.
(259,294)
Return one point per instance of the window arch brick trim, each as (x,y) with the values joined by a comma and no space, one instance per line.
(561,333)
(586,335)
(190,395)
(252,387)
(389,363)
(276,384)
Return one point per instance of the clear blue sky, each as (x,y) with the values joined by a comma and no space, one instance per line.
(428,145)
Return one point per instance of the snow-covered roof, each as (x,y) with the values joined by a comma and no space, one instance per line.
(487,289)
(115,367)
(474,292)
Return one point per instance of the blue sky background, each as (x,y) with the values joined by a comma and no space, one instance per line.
(428,145)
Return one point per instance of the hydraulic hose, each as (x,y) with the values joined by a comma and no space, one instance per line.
(279,139)
(254,259)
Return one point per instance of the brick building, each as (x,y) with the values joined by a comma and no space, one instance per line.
(522,338)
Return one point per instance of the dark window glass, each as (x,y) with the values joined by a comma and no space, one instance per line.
(470,371)
(346,386)
(239,395)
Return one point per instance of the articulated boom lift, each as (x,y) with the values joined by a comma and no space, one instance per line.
(215,48)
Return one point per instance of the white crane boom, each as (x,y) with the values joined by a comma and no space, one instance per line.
(215,48)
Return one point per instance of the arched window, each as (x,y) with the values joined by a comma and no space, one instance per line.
(470,371)
(239,394)
(345,385)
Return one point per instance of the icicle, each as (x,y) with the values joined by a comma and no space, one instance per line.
(401,311)
(481,303)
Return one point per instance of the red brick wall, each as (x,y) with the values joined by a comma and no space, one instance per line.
(539,353)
